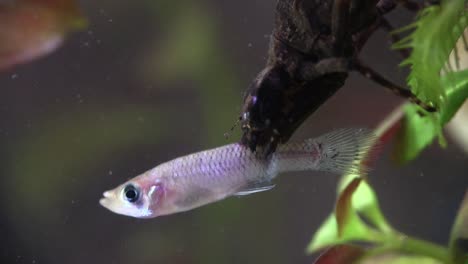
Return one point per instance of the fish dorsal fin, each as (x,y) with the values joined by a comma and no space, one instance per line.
(255,188)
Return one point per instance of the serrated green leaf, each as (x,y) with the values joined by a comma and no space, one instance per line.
(435,33)
(420,128)
(431,42)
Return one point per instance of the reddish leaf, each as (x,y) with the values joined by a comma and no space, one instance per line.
(344,204)
(342,254)
(31,29)
(345,226)
(389,257)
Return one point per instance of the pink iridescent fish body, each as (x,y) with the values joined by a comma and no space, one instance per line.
(212,175)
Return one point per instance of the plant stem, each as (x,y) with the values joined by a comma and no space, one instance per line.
(421,247)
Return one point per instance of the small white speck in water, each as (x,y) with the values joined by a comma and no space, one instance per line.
(79,98)
(14,76)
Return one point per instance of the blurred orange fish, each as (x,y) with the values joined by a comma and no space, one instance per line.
(30,29)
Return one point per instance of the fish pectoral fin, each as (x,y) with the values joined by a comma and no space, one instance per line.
(255,188)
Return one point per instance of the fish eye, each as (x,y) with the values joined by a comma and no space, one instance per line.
(131,193)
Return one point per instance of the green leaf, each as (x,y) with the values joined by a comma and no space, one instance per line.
(325,236)
(456,84)
(434,37)
(417,132)
(419,128)
(348,222)
(344,225)
(432,41)
(459,234)
(364,201)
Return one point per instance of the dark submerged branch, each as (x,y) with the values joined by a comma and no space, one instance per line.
(314,45)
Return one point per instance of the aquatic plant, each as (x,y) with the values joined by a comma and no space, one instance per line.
(357,216)
(52,168)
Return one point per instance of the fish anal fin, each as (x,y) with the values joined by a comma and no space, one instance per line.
(255,188)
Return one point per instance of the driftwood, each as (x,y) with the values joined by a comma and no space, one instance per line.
(313,46)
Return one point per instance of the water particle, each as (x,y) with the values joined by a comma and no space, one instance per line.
(79,98)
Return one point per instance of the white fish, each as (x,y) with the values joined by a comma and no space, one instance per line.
(212,175)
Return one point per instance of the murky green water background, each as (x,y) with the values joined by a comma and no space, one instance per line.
(149,81)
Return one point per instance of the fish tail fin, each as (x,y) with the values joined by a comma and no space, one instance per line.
(340,151)
(349,150)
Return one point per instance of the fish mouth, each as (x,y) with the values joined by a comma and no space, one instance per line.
(108,194)
(105,201)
